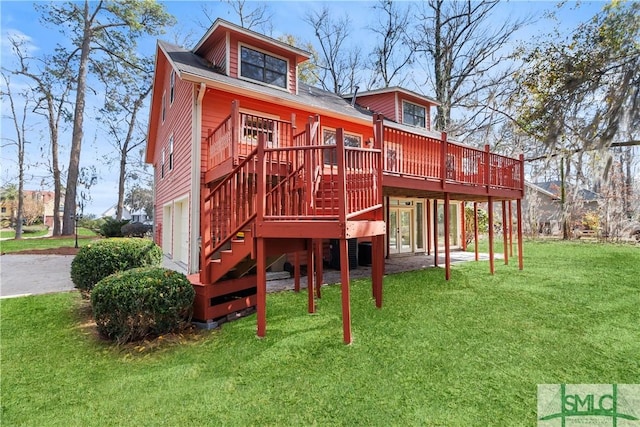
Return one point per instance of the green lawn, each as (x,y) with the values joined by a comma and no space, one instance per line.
(9,246)
(466,352)
(27,231)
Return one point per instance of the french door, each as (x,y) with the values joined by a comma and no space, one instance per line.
(400,230)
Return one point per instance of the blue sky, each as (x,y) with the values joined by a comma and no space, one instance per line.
(20,18)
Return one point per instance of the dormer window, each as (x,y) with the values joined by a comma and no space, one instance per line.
(413,114)
(262,67)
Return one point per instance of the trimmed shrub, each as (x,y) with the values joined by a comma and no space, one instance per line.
(141,302)
(135,229)
(99,259)
(112,227)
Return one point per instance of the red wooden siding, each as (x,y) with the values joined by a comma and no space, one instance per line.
(383,103)
(176,182)
(216,52)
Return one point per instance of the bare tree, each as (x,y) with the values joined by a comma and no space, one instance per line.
(18,119)
(251,15)
(463,48)
(97,31)
(392,52)
(338,64)
(126,91)
(53,85)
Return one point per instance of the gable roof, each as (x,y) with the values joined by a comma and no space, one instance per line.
(221,25)
(396,89)
(555,185)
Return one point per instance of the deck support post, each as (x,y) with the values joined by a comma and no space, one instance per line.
(519,212)
(377,267)
(428,227)
(296,271)
(261,303)
(491,263)
(318,263)
(463,226)
(435,232)
(311,300)
(447,249)
(345,290)
(475,229)
(505,231)
(510,205)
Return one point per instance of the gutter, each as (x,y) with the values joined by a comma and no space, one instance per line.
(196,151)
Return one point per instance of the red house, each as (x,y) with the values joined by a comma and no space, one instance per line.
(251,163)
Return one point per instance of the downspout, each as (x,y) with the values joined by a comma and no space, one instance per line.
(196,151)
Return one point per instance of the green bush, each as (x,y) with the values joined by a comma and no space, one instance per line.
(141,302)
(112,227)
(97,260)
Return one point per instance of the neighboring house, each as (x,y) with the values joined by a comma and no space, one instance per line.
(542,213)
(37,204)
(251,163)
(128,213)
(581,202)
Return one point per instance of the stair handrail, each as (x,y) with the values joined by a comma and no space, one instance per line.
(243,224)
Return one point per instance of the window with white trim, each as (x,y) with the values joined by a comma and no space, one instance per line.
(172,87)
(329,138)
(171,152)
(413,114)
(164,106)
(262,67)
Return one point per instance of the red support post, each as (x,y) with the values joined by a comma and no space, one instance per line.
(487,167)
(310,274)
(377,267)
(463,226)
(447,246)
(296,271)
(475,229)
(345,290)
(435,232)
(491,258)
(261,302)
(519,212)
(235,125)
(318,263)
(510,214)
(505,238)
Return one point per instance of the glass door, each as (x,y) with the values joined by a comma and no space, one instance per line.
(400,230)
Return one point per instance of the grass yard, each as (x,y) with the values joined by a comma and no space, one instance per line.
(84,237)
(467,352)
(27,231)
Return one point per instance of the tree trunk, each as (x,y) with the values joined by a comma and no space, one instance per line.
(78,118)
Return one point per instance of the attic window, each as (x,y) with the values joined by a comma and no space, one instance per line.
(262,67)
(413,115)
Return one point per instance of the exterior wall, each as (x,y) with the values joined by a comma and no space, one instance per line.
(216,52)
(384,103)
(176,182)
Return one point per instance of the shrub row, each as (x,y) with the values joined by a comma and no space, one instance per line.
(136,303)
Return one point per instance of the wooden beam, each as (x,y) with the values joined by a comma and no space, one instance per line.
(520,255)
(475,229)
(447,243)
(377,267)
(505,237)
(311,300)
(491,259)
(346,297)
(435,233)
(261,270)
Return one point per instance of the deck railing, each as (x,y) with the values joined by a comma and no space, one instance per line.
(237,136)
(420,156)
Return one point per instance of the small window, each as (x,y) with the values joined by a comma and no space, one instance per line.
(162,165)
(262,67)
(329,138)
(164,106)
(172,87)
(4,210)
(171,153)
(413,115)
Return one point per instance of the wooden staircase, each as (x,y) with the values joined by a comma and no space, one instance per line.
(285,199)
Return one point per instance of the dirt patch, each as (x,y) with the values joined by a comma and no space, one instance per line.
(51,251)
